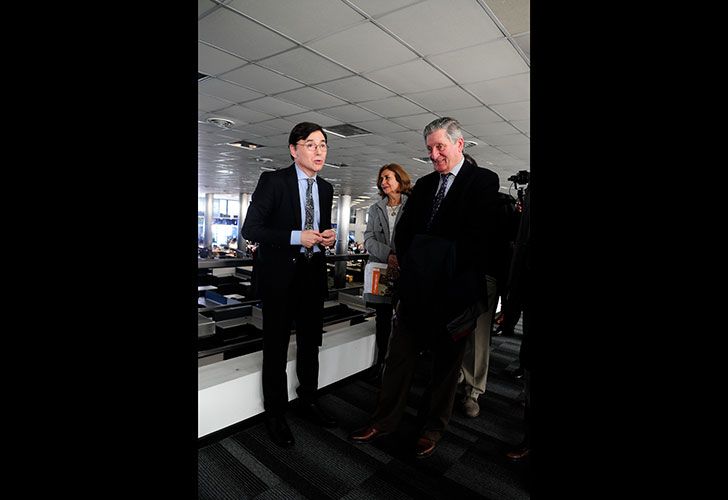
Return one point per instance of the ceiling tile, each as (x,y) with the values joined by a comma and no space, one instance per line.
(393,106)
(416,122)
(275,107)
(506,140)
(476,115)
(515,15)
(494,128)
(378,7)
(230,31)
(501,90)
(209,103)
(469,22)
(413,76)
(247,115)
(482,62)
(310,98)
(355,89)
(381,126)
(515,110)
(314,117)
(349,113)
(304,65)
(261,79)
(524,41)
(212,61)
(450,98)
(363,48)
(226,90)
(522,125)
(302,21)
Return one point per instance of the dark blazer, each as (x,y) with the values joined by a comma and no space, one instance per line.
(275,211)
(461,239)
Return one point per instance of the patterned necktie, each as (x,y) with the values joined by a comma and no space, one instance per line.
(308,224)
(438,198)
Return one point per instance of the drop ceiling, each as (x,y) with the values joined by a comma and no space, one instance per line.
(386,66)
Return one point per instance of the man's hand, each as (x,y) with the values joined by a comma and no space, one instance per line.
(328,237)
(309,238)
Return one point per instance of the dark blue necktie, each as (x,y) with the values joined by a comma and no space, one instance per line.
(308,224)
(438,198)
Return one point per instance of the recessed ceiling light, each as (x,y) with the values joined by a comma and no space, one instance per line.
(221,122)
(245,145)
(470,144)
(346,130)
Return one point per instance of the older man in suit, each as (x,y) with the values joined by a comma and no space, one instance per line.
(444,244)
(290,217)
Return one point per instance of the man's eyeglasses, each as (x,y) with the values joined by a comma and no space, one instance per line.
(312,146)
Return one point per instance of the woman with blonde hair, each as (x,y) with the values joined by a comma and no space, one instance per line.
(394,186)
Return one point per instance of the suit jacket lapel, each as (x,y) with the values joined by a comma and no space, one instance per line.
(294,196)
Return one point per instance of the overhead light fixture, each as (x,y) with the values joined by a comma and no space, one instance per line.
(424,159)
(470,144)
(245,145)
(223,123)
(336,165)
(346,130)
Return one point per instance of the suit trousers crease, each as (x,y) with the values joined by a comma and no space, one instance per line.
(383,321)
(437,402)
(477,348)
(298,306)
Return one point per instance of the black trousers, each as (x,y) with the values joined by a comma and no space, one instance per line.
(300,306)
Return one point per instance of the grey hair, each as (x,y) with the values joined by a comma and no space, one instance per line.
(450,125)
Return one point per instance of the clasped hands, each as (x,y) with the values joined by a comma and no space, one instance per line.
(310,237)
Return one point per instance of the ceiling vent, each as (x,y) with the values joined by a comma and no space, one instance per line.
(245,145)
(223,123)
(346,130)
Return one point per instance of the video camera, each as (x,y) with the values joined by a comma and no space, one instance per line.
(521,177)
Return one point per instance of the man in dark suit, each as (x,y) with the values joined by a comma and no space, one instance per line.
(290,218)
(444,243)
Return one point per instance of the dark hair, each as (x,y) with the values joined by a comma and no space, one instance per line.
(303,130)
(403,178)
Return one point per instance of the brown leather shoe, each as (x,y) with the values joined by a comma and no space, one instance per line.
(424,447)
(518,454)
(367,434)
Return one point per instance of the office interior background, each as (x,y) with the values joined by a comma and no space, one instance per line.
(373,74)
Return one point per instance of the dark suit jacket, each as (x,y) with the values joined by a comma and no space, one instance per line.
(275,211)
(458,248)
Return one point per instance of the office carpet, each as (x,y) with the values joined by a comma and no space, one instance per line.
(469,461)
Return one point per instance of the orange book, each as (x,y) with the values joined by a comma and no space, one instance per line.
(375,281)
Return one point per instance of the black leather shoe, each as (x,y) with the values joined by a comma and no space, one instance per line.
(518,454)
(313,412)
(279,431)
(366,434)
